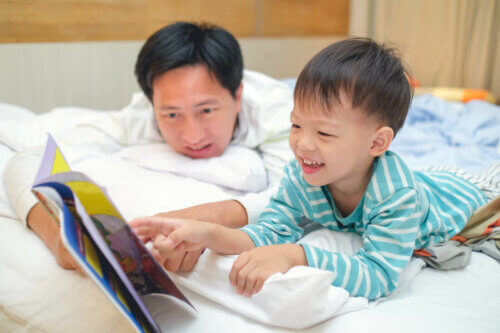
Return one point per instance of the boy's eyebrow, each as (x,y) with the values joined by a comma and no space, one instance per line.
(328,122)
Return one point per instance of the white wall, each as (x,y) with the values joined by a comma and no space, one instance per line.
(99,75)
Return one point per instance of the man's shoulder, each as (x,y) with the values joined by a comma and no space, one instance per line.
(259,89)
(266,107)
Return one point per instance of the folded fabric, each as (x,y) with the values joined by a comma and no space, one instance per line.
(300,298)
(238,168)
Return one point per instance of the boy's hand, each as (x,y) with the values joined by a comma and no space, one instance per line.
(254,267)
(171,237)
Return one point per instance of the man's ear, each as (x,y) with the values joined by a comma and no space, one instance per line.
(238,95)
(382,140)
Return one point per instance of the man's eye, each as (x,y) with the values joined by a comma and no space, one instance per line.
(172,115)
(324,134)
(207,111)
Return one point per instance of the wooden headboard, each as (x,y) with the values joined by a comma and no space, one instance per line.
(82,53)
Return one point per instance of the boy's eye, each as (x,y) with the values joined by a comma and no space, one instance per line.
(324,134)
(295,126)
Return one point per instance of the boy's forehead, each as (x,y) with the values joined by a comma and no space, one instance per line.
(337,110)
(312,104)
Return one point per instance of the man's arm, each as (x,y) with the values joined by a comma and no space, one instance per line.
(228,213)
(99,132)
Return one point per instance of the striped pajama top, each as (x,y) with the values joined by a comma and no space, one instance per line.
(400,211)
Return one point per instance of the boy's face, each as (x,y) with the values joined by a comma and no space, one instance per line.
(195,114)
(332,149)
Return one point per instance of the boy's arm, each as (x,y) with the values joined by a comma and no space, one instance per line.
(388,244)
(279,221)
(172,236)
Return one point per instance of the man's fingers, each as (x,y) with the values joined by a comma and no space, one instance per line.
(157,256)
(168,246)
(174,263)
(65,259)
(190,259)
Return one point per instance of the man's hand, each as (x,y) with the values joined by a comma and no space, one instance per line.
(252,268)
(184,262)
(45,227)
(229,213)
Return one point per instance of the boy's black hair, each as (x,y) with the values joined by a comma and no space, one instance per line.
(184,43)
(370,74)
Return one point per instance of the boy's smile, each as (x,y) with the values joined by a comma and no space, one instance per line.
(333,148)
(310,166)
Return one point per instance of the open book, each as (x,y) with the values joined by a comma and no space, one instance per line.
(102,243)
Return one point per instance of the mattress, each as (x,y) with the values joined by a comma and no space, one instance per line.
(37,295)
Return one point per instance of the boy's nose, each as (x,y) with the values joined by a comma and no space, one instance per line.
(193,132)
(305,143)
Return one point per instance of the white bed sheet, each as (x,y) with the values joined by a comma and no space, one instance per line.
(37,295)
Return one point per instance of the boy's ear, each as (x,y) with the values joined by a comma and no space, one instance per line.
(382,139)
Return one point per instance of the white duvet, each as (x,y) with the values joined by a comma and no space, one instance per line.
(299,298)
(37,295)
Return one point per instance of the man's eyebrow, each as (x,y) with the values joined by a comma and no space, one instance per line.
(207,101)
(168,107)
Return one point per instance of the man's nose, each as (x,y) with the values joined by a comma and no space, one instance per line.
(193,131)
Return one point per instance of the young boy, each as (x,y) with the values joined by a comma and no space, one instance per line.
(350,101)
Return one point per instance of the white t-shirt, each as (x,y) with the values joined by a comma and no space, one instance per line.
(263,125)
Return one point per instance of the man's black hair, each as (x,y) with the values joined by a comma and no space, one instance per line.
(184,43)
(370,74)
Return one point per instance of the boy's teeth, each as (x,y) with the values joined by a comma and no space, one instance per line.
(311,162)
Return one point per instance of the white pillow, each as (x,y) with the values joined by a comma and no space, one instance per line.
(238,168)
(300,298)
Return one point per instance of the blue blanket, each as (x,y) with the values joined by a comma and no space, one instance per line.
(439,132)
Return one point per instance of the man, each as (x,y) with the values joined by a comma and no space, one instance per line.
(196,98)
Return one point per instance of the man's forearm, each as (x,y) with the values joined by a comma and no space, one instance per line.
(43,225)
(229,213)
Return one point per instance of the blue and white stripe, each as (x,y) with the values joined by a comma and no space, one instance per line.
(401,211)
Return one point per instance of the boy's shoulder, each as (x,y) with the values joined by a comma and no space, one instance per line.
(390,175)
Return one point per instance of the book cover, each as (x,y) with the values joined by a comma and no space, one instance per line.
(102,243)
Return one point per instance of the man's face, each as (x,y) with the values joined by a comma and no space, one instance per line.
(195,114)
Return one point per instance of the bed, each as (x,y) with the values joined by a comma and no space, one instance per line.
(36,295)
